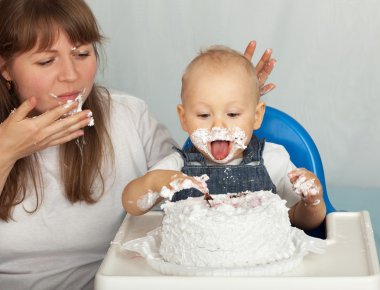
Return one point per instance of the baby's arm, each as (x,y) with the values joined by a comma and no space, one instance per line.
(310,211)
(143,193)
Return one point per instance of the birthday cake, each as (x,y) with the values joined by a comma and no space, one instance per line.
(231,230)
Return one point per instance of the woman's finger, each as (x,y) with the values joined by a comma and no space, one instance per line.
(53,115)
(24,109)
(266,71)
(67,138)
(265,58)
(63,127)
(267,88)
(250,50)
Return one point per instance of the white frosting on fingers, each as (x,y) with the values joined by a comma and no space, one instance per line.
(147,200)
(179,184)
(304,186)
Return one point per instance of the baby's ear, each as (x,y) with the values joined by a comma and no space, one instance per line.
(259,114)
(182,117)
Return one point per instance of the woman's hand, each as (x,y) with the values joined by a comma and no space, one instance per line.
(263,68)
(22,136)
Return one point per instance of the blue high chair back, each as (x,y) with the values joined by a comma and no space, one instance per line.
(278,127)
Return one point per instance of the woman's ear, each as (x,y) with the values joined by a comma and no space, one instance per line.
(4,71)
(182,117)
(259,115)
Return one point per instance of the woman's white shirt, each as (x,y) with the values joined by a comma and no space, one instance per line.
(61,245)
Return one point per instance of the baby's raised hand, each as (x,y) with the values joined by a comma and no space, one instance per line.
(307,185)
(183,181)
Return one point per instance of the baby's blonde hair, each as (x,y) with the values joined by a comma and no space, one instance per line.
(217,57)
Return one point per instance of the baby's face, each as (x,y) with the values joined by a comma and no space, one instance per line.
(219,111)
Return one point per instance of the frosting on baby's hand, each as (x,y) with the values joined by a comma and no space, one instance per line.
(181,183)
(147,200)
(304,187)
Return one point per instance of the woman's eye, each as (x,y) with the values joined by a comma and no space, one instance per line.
(45,61)
(82,54)
(233,115)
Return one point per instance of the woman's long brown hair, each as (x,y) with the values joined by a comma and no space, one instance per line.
(23,25)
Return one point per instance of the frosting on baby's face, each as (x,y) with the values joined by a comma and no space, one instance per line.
(220,109)
(220,145)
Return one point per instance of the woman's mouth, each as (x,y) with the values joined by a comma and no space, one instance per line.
(64,98)
(220,149)
(68,97)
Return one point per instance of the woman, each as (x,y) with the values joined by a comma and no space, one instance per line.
(61,179)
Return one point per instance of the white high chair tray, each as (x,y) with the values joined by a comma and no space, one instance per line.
(350,262)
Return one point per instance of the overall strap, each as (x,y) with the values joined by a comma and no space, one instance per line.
(191,155)
(254,151)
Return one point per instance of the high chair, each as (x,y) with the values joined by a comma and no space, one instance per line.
(350,261)
(280,128)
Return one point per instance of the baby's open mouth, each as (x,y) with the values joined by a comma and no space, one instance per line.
(220,149)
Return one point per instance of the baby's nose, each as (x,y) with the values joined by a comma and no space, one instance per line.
(219,122)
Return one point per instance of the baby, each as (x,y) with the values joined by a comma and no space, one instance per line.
(220,110)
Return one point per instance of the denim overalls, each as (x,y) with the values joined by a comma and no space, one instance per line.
(227,178)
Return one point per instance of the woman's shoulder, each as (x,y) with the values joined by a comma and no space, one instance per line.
(125,99)
(124,105)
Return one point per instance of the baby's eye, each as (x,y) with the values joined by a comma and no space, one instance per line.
(233,115)
(203,116)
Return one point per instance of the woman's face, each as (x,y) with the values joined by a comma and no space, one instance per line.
(53,76)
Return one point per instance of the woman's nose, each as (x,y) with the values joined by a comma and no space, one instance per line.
(68,71)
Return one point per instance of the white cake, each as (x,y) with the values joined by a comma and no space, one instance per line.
(235,231)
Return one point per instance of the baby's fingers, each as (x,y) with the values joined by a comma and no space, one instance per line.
(295,174)
(200,183)
(305,183)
